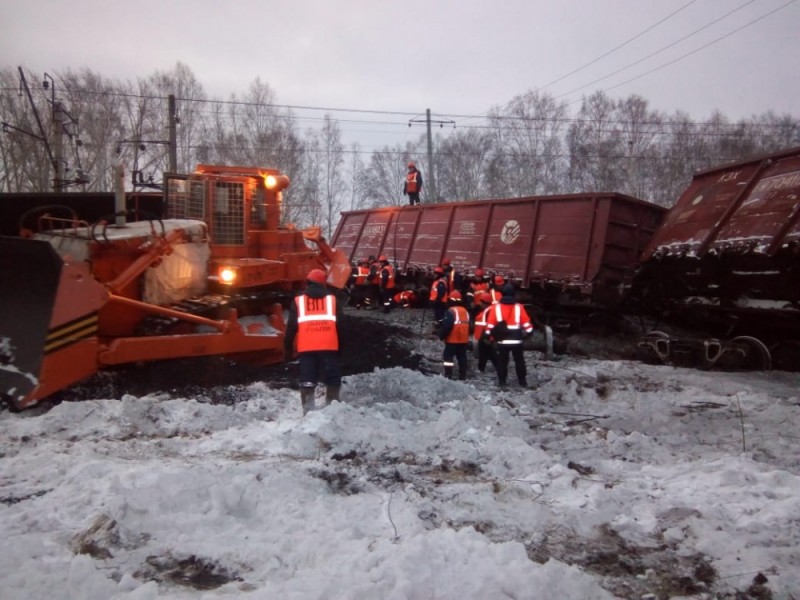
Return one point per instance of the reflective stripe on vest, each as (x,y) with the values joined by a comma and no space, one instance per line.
(480,323)
(316,323)
(411,182)
(459,334)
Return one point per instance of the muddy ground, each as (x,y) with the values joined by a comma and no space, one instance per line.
(371,339)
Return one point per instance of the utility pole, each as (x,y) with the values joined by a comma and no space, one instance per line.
(430,183)
(173,136)
(431,178)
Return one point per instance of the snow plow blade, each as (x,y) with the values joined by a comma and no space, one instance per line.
(30,271)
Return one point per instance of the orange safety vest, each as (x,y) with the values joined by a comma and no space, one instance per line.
(411,182)
(477,288)
(496,295)
(515,316)
(435,290)
(316,323)
(403,297)
(480,323)
(362,272)
(389,280)
(459,334)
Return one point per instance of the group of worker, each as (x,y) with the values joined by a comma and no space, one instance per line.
(484,318)
(487,311)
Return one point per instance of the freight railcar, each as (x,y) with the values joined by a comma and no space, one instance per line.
(727,261)
(575,250)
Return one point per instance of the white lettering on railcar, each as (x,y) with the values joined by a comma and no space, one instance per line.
(374,229)
(467,228)
(732,176)
(510,232)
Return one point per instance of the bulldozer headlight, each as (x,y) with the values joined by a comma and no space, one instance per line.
(276,183)
(227,274)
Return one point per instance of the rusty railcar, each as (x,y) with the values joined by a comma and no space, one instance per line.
(575,249)
(727,259)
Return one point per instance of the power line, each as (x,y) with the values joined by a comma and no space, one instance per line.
(659,51)
(703,47)
(623,44)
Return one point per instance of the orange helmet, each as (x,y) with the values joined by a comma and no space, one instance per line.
(411,165)
(455,296)
(317,276)
(498,280)
(439,271)
(382,258)
(446,262)
(479,272)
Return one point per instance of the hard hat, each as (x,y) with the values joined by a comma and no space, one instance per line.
(498,280)
(383,258)
(479,272)
(439,271)
(455,296)
(446,261)
(411,165)
(485,297)
(317,276)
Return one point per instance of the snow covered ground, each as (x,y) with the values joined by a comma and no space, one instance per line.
(606,479)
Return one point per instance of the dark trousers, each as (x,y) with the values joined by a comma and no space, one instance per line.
(386,298)
(517,351)
(459,352)
(413,198)
(320,366)
(487,353)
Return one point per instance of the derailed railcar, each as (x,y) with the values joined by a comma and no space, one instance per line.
(727,259)
(564,250)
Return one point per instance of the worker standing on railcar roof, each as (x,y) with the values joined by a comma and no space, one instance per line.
(313,331)
(454,330)
(413,184)
(517,327)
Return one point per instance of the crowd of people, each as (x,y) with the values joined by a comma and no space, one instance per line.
(478,314)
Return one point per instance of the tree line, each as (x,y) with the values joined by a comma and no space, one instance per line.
(532,145)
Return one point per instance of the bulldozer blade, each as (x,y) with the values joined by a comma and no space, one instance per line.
(339,270)
(30,271)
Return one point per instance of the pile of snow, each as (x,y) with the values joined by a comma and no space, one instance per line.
(606,479)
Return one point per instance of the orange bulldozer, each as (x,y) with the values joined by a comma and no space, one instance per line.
(211,277)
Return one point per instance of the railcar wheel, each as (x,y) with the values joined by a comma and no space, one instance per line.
(754,354)
(786,356)
(653,349)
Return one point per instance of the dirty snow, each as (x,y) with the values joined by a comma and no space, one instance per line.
(605,479)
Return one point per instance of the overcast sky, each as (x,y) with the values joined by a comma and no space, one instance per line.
(456,57)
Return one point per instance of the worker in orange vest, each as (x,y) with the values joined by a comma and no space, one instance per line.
(386,283)
(477,285)
(313,333)
(359,283)
(496,287)
(454,330)
(413,184)
(404,299)
(517,327)
(438,296)
(484,349)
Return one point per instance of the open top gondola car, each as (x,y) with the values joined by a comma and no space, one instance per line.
(727,261)
(568,251)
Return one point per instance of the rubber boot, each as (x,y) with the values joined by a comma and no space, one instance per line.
(331,394)
(462,373)
(307,399)
(448,372)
